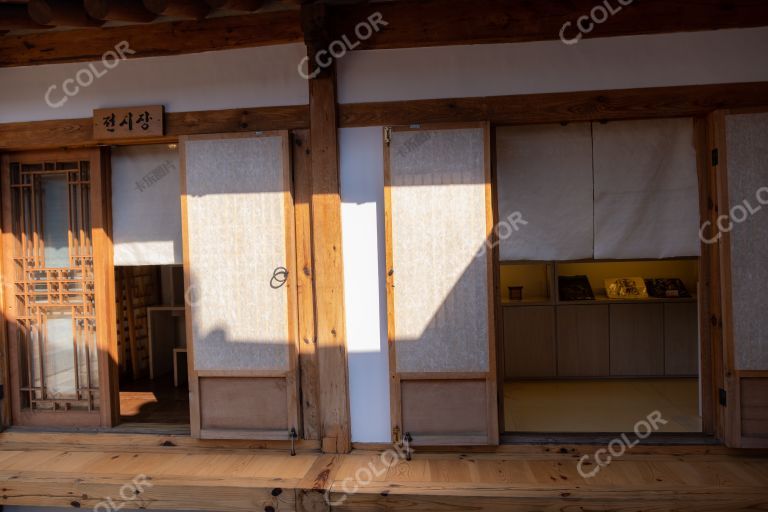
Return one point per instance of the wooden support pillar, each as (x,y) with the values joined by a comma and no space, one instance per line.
(326,244)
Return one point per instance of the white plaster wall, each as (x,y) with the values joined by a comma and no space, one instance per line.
(551,66)
(248,77)
(362,223)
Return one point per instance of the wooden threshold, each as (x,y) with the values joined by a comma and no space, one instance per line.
(84,470)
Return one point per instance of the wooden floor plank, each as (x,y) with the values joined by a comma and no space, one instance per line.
(191,476)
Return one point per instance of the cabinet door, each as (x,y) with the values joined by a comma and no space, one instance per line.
(681,339)
(529,341)
(637,339)
(583,341)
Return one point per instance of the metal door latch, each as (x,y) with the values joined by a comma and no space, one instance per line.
(294,436)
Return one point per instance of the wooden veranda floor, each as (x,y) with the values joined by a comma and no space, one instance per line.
(88,470)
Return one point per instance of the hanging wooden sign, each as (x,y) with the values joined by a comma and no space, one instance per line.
(128,122)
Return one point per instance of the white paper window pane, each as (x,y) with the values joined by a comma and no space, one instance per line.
(437,204)
(646,189)
(55,222)
(236,226)
(146,205)
(747,139)
(545,173)
(59,356)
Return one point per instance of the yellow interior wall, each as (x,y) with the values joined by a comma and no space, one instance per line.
(533,276)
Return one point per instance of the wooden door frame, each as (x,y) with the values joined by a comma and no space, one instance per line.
(708,303)
(729,378)
(292,374)
(101,253)
(490,377)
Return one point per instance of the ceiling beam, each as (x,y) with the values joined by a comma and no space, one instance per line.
(441,22)
(409,23)
(152,40)
(187,9)
(119,10)
(61,13)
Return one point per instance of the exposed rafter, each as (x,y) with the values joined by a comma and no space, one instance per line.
(16,17)
(440,22)
(153,39)
(188,9)
(61,13)
(119,10)
(237,5)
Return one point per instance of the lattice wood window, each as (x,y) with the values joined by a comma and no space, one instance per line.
(54,285)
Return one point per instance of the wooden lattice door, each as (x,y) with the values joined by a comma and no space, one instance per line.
(56,356)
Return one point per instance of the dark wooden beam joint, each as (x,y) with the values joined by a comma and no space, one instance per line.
(314,25)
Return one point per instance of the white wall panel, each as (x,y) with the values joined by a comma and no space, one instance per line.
(362,222)
(248,77)
(551,66)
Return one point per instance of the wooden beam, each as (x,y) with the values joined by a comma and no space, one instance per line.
(326,246)
(16,17)
(119,10)
(104,288)
(302,185)
(187,9)
(170,38)
(60,12)
(79,132)
(441,22)
(653,102)
(408,24)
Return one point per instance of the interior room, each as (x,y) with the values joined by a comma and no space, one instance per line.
(149,287)
(598,276)
(151,345)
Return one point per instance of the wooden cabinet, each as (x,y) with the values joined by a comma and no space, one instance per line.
(681,339)
(627,339)
(583,341)
(529,342)
(637,339)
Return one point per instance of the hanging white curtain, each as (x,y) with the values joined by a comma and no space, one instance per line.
(545,178)
(146,205)
(646,189)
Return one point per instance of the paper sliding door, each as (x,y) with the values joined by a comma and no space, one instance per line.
(240,285)
(439,285)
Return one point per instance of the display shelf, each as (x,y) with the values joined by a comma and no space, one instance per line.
(536,279)
(685,269)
